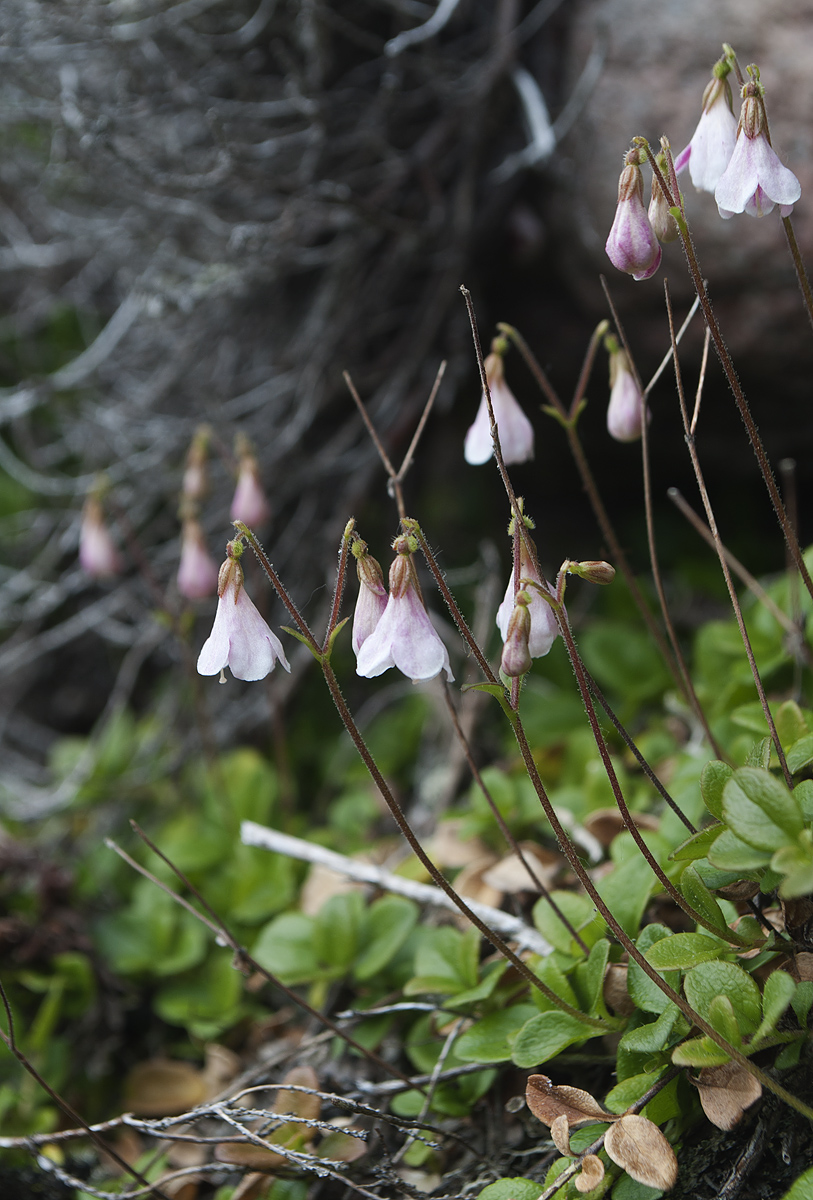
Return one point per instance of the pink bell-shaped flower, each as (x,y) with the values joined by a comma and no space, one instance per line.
(625,412)
(195,482)
(404,636)
(372,597)
(543,629)
(98,556)
(755,180)
(249,504)
(240,638)
(632,245)
(515,431)
(197,572)
(709,152)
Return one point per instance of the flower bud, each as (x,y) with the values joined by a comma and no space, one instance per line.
(98,556)
(663,223)
(197,572)
(249,504)
(195,482)
(593,570)
(516,655)
(625,412)
(372,597)
(632,245)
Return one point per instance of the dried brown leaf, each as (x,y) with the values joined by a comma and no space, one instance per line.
(248,1154)
(341,1147)
(803,963)
(637,1145)
(299,1104)
(725,1093)
(510,874)
(560,1134)
(591,1174)
(606,823)
(547,1101)
(470,882)
(448,849)
(616,995)
(252,1187)
(161,1087)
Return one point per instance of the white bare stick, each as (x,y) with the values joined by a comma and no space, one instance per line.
(524,935)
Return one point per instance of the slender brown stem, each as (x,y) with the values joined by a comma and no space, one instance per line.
(70,1112)
(799,266)
(418,850)
(506,832)
(731,375)
(338,590)
(416,437)
(382,453)
(276,582)
(632,828)
(631,746)
(687,687)
(616,552)
(718,545)
(242,956)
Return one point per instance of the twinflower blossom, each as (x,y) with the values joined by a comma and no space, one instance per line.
(755,180)
(625,412)
(632,245)
(544,628)
(249,504)
(709,152)
(197,572)
(372,597)
(98,556)
(404,636)
(516,433)
(240,638)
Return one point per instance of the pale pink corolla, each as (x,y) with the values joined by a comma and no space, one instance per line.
(197,572)
(98,556)
(371,602)
(404,636)
(516,657)
(755,180)
(240,638)
(249,504)
(631,245)
(515,431)
(543,622)
(625,412)
(709,152)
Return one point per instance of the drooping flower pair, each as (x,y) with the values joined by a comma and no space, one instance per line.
(632,245)
(395,630)
(735,161)
(240,638)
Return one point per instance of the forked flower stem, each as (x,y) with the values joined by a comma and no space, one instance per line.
(718,546)
(730,373)
(687,687)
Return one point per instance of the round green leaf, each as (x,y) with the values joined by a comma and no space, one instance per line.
(711,979)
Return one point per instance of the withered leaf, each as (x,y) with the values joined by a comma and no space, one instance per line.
(547,1101)
(300,1104)
(725,1093)
(616,995)
(637,1145)
(161,1087)
(560,1134)
(591,1174)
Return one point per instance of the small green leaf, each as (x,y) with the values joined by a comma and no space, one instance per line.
(796,864)
(489,1040)
(803,795)
(790,722)
(715,776)
(631,1090)
(588,979)
(386,925)
(699,1052)
(684,950)
(800,753)
(778,992)
(698,845)
(701,899)
(711,979)
(801,1188)
(511,1189)
(721,1017)
(730,853)
(645,993)
(760,809)
(577,908)
(802,1001)
(546,1035)
(649,1039)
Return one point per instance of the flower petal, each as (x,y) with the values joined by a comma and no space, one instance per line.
(214,654)
(478,447)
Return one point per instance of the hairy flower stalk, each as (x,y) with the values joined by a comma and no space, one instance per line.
(543,626)
(755,180)
(515,431)
(240,638)
(197,572)
(404,636)
(98,556)
(709,151)
(372,597)
(625,412)
(632,245)
(249,504)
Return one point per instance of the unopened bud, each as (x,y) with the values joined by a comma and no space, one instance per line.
(516,655)
(593,570)
(660,218)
